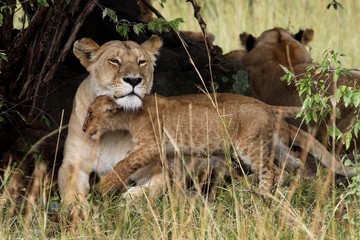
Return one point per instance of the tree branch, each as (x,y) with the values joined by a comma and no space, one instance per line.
(79,22)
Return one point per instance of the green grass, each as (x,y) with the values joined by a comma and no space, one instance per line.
(334,29)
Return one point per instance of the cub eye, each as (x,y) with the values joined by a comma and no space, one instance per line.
(110,110)
(89,114)
(114,61)
(142,62)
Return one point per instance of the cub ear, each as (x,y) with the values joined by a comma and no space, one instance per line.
(305,36)
(247,40)
(84,49)
(153,45)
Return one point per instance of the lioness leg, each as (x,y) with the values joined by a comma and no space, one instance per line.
(153,184)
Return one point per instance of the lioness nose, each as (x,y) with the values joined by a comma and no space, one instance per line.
(133,81)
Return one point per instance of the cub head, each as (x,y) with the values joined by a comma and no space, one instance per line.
(122,70)
(277,41)
(99,115)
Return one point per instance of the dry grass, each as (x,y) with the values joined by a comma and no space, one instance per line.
(237,213)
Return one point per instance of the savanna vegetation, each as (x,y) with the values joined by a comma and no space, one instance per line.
(35,60)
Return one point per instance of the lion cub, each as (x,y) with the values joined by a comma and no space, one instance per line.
(245,129)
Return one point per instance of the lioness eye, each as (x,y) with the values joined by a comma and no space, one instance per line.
(142,62)
(89,114)
(114,61)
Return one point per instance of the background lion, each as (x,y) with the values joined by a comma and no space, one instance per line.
(277,47)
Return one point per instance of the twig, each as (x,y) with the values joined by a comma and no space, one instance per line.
(203,25)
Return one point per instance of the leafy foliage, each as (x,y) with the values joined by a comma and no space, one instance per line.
(319,101)
(123,26)
(3,55)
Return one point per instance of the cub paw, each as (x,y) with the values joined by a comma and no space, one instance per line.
(109,183)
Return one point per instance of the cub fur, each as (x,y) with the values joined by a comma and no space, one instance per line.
(190,128)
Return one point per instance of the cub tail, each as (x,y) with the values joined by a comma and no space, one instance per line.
(319,151)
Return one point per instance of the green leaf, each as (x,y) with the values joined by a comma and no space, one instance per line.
(314,116)
(347,99)
(111,14)
(123,30)
(356,129)
(43,2)
(336,131)
(308,117)
(21,116)
(3,55)
(151,26)
(46,121)
(348,138)
(2,120)
(356,99)
(174,24)
(138,28)
(348,162)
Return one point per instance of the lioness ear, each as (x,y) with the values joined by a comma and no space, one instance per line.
(153,45)
(247,40)
(305,36)
(83,50)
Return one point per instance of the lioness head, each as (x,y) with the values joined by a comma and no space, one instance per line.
(122,70)
(99,115)
(275,36)
(280,41)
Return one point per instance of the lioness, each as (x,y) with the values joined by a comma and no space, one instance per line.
(122,70)
(278,46)
(192,128)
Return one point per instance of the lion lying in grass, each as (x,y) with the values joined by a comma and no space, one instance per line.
(277,46)
(247,129)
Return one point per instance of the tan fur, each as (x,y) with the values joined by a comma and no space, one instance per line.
(113,68)
(235,55)
(278,46)
(198,36)
(289,134)
(192,128)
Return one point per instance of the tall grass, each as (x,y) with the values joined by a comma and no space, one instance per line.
(237,213)
(334,29)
